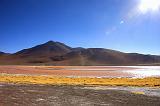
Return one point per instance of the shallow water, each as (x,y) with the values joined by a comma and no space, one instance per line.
(85,71)
(144,71)
(134,72)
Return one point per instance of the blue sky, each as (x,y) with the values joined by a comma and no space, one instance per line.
(114,24)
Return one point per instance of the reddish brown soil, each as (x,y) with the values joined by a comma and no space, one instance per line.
(67,70)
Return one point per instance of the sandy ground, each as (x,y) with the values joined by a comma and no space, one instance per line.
(47,95)
(107,71)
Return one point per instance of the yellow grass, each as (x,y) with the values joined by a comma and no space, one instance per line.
(139,93)
(52,80)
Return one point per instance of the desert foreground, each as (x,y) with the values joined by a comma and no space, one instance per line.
(60,95)
(79,85)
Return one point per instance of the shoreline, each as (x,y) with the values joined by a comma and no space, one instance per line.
(93,71)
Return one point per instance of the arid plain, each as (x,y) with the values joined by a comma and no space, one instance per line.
(78,85)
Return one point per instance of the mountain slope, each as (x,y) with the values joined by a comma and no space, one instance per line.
(100,56)
(56,53)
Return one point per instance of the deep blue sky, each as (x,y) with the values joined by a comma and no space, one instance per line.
(113,24)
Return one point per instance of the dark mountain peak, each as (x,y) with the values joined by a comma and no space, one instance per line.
(49,48)
(54,43)
(3,53)
(55,46)
(50,42)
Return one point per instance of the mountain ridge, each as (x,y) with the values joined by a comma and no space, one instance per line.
(57,53)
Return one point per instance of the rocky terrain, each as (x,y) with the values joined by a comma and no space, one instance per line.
(47,95)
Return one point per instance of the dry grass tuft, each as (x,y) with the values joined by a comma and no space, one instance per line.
(53,80)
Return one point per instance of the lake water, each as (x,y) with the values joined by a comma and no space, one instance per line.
(144,71)
(85,71)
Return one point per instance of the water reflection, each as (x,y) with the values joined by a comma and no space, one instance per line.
(145,71)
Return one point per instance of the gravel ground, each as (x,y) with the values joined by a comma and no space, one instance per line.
(58,95)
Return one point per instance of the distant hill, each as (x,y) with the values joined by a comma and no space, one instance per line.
(3,53)
(56,53)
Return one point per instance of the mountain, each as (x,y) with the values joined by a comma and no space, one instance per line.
(100,56)
(3,53)
(50,48)
(56,53)
(38,54)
